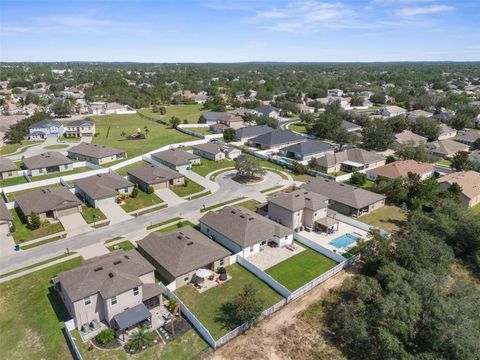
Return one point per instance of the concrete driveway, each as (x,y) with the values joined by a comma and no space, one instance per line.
(114,213)
(74,224)
(169,197)
(7,243)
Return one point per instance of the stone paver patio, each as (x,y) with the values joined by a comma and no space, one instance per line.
(271,256)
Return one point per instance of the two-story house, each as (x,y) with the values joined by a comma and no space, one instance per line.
(79,128)
(45,128)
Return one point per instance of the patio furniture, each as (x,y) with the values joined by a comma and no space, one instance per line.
(203,273)
(223,276)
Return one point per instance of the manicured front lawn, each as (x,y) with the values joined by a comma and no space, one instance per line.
(214,206)
(89,212)
(298,127)
(22,233)
(125,245)
(299,269)
(205,306)
(190,187)
(208,166)
(190,112)
(61,173)
(141,201)
(32,315)
(250,204)
(56,147)
(176,226)
(163,223)
(388,217)
(111,127)
(124,170)
(13,181)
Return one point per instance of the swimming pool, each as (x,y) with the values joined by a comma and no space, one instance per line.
(282,159)
(344,241)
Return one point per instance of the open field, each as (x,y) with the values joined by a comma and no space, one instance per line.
(388,217)
(205,306)
(299,269)
(191,187)
(190,112)
(113,125)
(210,165)
(298,127)
(139,164)
(141,201)
(22,233)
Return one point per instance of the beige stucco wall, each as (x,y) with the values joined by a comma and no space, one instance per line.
(84,314)
(9,174)
(124,300)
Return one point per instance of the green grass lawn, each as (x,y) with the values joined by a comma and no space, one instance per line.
(214,206)
(89,212)
(152,226)
(190,112)
(56,147)
(32,315)
(159,135)
(139,164)
(190,187)
(69,139)
(200,130)
(13,195)
(206,305)
(7,149)
(299,269)
(210,165)
(141,201)
(476,209)
(22,233)
(61,173)
(445,162)
(250,204)
(298,127)
(125,245)
(388,217)
(13,181)
(176,226)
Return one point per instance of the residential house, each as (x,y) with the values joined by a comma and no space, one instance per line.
(5,216)
(217,128)
(80,128)
(48,203)
(393,110)
(111,108)
(401,168)
(407,137)
(96,154)
(469,181)
(102,189)
(211,117)
(335,92)
(200,98)
(446,132)
(176,159)
(268,110)
(469,137)
(8,169)
(155,176)
(248,132)
(412,115)
(305,109)
(242,230)
(446,148)
(443,116)
(350,160)
(275,139)
(117,289)
(45,128)
(178,254)
(47,163)
(216,151)
(306,150)
(351,127)
(344,198)
(230,120)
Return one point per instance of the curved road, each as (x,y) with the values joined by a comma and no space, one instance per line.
(228,189)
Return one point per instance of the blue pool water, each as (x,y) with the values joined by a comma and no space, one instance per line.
(344,241)
(282,159)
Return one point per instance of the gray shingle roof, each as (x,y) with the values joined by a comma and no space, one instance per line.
(51,158)
(4,213)
(7,165)
(277,137)
(356,155)
(182,250)
(212,116)
(94,150)
(154,174)
(81,122)
(349,126)
(266,109)
(250,131)
(175,156)
(309,147)
(99,186)
(45,124)
(299,199)
(43,200)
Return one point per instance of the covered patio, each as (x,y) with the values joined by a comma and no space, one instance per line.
(327,225)
(131,318)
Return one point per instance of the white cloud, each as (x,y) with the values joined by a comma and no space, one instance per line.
(424,10)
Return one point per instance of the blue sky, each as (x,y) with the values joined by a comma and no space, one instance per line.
(231,31)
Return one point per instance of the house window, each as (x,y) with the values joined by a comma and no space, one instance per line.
(135,291)
(113,300)
(87,300)
(315,214)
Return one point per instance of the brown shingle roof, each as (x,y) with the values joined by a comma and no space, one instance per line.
(182,250)
(43,200)
(154,174)
(7,165)
(94,150)
(4,213)
(209,147)
(402,168)
(356,155)
(243,226)
(102,185)
(469,181)
(447,147)
(299,199)
(51,158)
(175,156)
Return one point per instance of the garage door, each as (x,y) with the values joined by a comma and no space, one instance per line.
(160,186)
(67,211)
(106,201)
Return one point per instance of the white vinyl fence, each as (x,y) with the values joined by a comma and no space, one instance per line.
(357,223)
(69,326)
(318,248)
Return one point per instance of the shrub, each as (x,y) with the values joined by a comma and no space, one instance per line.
(150,190)
(34,221)
(105,336)
(134,192)
(142,337)
(172,304)
(13,228)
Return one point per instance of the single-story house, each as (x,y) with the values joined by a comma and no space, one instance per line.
(275,139)
(96,154)
(217,128)
(268,110)
(110,109)
(242,230)
(307,150)
(156,176)
(401,168)
(443,116)
(393,110)
(469,137)
(101,189)
(5,216)
(179,253)
(350,160)
(469,181)
(407,137)
(412,115)
(248,132)
(8,169)
(211,117)
(117,289)
(45,128)
(344,198)
(446,132)
(216,151)
(446,148)
(176,159)
(47,163)
(48,203)
(80,128)
(305,109)
(335,92)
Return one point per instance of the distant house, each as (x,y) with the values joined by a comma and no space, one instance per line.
(102,189)
(469,137)
(401,168)
(47,163)
(469,181)
(118,289)
(211,117)
(230,120)
(96,154)
(446,132)
(306,150)
(178,254)
(412,115)
(350,160)
(350,127)
(176,159)
(444,116)
(275,139)
(111,108)
(8,169)
(5,216)
(155,176)
(248,132)
(346,199)
(446,148)
(305,109)
(391,111)
(218,128)
(44,129)
(335,92)
(407,137)
(242,230)
(48,203)
(216,151)
(474,156)
(79,128)
(200,98)
(268,110)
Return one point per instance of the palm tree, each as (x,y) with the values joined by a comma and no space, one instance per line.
(122,134)
(141,338)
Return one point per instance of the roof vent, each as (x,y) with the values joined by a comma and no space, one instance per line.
(190,243)
(250,219)
(242,216)
(297,195)
(110,274)
(126,257)
(118,262)
(98,269)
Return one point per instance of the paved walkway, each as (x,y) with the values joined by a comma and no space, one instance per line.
(207,184)
(114,213)
(169,197)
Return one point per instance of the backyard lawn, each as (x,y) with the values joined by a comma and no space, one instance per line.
(13,181)
(250,204)
(32,315)
(190,112)
(141,201)
(22,233)
(205,306)
(89,212)
(388,217)
(139,164)
(299,269)
(298,127)
(111,127)
(190,187)
(200,130)
(210,165)
(125,245)
(61,173)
